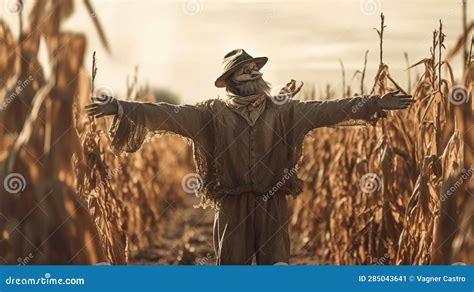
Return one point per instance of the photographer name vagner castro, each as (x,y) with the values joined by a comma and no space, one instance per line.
(437,279)
(44,280)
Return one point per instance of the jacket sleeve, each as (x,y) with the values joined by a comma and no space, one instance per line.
(307,115)
(136,119)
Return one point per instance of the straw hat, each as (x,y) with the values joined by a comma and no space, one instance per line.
(235,60)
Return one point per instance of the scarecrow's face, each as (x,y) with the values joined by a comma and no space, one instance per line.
(248,72)
(247,81)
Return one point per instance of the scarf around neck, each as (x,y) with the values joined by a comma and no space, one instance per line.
(249,107)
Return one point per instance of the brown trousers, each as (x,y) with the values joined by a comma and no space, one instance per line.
(246,225)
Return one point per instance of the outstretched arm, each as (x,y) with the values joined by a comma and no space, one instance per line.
(315,114)
(133,120)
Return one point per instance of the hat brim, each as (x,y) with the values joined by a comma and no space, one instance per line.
(260,61)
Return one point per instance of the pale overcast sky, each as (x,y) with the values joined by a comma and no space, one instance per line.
(180,44)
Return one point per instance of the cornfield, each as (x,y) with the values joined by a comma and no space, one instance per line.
(399,191)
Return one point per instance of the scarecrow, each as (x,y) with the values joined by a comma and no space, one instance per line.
(246,149)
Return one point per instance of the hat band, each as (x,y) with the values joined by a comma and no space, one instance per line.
(235,61)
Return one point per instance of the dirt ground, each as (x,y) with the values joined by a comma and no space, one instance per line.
(187,240)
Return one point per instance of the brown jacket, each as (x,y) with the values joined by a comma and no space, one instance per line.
(231,156)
